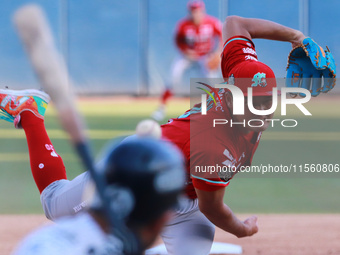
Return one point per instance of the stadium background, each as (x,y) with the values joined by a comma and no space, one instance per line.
(127,46)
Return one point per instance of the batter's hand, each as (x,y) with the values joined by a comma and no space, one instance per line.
(251,225)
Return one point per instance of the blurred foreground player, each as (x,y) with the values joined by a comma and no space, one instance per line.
(145,178)
(198,39)
(136,171)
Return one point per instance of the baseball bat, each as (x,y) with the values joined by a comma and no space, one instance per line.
(35,33)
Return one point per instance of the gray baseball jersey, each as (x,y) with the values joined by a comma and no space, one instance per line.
(188,233)
(71,235)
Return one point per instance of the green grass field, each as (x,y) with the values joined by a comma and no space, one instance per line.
(316,140)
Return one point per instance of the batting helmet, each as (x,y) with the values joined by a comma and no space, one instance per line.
(145,178)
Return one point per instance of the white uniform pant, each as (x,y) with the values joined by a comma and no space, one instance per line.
(182,64)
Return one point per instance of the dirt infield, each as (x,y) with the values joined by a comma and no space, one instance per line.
(15,227)
(307,234)
(291,234)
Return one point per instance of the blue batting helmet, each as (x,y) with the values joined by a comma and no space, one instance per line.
(145,178)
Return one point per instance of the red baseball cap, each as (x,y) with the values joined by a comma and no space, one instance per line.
(196,4)
(253,74)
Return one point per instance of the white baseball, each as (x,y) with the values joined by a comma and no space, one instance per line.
(148,128)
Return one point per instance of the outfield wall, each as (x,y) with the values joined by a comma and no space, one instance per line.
(127,46)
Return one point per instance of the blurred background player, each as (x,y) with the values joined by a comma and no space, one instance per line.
(135,171)
(198,38)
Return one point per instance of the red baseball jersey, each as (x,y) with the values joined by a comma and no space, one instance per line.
(200,38)
(210,150)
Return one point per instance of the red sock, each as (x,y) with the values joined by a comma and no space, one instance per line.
(46,165)
(166,95)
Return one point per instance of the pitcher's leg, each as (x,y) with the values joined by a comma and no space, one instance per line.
(26,108)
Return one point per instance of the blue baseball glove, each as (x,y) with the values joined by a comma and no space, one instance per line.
(310,67)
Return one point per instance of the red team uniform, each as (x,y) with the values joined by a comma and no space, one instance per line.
(199,38)
(223,145)
(198,41)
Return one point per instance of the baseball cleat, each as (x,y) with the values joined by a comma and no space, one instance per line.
(14,102)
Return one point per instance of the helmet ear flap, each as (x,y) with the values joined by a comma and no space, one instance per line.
(122,200)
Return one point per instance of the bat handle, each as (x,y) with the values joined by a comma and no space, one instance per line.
(118,229)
